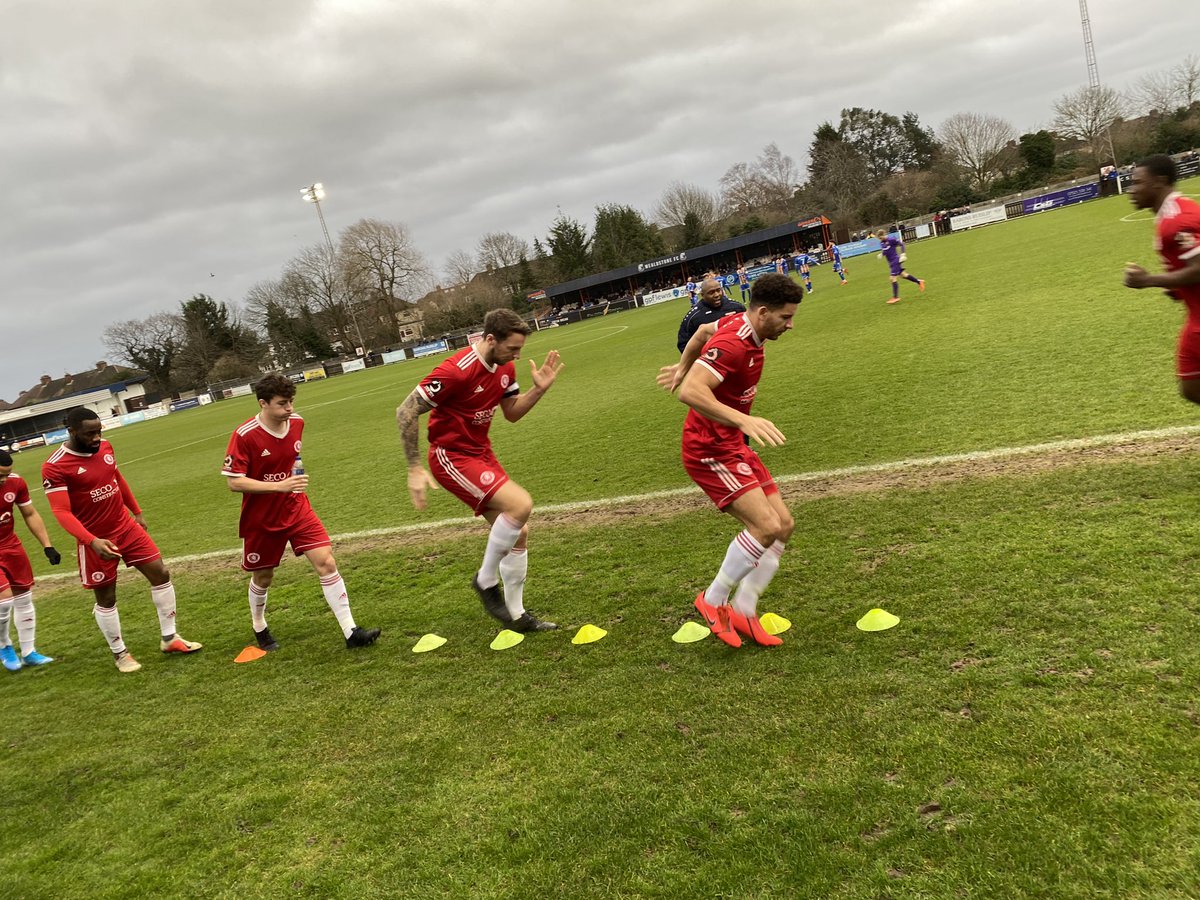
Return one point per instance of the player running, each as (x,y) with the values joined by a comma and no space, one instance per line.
(720,389)
(801,264)
(835,254)
(892,249)
(16,574)
(261,465)
(1177,239)
(462,394)
(94,504)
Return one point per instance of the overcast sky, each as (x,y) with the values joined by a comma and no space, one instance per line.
(153,150)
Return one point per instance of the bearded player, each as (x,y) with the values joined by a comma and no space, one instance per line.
(1177,239)
(462,395)
(717,377)
(94,504)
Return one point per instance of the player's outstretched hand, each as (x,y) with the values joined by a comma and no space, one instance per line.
(1135,276)
(669,377)
(544,377)
(53,555)
(106,549)
(419,479)
(762,431)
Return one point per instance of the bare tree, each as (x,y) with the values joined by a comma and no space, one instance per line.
(842,179)
(501,253)
(149,344)
(316,281)
(778,175)
(976,142)
(380,263)
(461,267)
(680,200)
(1087,114)
(1187,80)
(1156,92)
(742,189)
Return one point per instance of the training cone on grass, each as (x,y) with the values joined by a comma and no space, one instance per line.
(773,624)
(588,634)
(506,639)
(428,642)
(690,632)
(250,654)
(877,620)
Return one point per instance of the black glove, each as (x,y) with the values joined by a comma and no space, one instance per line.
(53,555)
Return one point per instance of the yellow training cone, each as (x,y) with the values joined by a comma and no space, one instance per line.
(773,624)
(506,639)
(877,620)
(588,634)
(250,654)
(429,642)
(690,632)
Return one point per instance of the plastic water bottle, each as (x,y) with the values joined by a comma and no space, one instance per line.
(298,469)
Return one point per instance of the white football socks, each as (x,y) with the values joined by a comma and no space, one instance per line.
(26,621)
(740,559)
(163,596)
(110,627)
(513,569)
(258,606)
(501,539)
(745,600)
(334,590)
(5,614)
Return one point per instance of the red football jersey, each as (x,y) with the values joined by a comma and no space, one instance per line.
(13,492)
(259,454)
(735,355)
(464,392)
(90,481)
(1177,239)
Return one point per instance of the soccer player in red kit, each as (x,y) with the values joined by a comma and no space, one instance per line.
(16,575)
(462,395)
(259,465)
(1177,239)
(717,377)
(92,502)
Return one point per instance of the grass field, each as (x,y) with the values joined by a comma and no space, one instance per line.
(1028,730)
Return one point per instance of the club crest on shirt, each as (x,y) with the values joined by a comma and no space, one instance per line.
(10,497)
(712,354)
(296,446)
(109,459)
(503,381)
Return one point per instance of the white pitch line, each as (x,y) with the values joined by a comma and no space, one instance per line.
(916,462)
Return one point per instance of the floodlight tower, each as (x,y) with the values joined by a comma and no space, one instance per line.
(314,194)
(1089,52)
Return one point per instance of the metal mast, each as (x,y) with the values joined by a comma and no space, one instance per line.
(1089,52)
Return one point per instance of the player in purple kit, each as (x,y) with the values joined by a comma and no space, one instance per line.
(462,395)
(16,575)
(892,249)
(93,503)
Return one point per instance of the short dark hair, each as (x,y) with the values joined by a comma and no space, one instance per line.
(502,322)
(1160,166)
(274,385)
(5,458)
(775,292)
(80,414)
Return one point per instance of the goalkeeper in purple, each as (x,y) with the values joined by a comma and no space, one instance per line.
(892,249)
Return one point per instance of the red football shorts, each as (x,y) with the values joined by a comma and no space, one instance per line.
(1187,357)
(136,548)
(264,550)
(727,473)
(15,570)
(472,479)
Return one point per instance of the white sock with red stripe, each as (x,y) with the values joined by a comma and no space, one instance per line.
(502,537)
(740,559)
(745,600)
(110,627)
(513,569)
(258,606)
(334,590)
(5,614)
(163,596)
(26,621)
